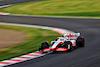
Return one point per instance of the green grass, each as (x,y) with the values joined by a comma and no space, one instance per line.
(35,36)
(57,7)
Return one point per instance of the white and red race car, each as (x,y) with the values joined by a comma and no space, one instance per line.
(65,43)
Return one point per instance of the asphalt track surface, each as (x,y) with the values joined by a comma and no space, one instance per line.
(88,56)
(7,2)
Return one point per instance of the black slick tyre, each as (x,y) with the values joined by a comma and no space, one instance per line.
(44,45)
(80,41)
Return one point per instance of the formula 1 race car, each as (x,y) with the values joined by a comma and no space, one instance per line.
(65,43)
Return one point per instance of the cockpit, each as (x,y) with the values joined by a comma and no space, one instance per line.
(62,38)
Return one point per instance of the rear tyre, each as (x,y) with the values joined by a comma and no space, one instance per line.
(80,41)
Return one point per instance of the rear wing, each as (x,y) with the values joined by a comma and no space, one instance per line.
(71,35)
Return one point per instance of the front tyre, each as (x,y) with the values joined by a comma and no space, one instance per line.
(43,45)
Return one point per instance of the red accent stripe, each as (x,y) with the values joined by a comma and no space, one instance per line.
(47,49)
(61,49)
(25,57)
(14,60)
(37,52)
(5,62)
(32,55)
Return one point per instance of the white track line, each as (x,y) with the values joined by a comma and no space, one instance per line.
(76,17)
(5,6)
(37,26)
